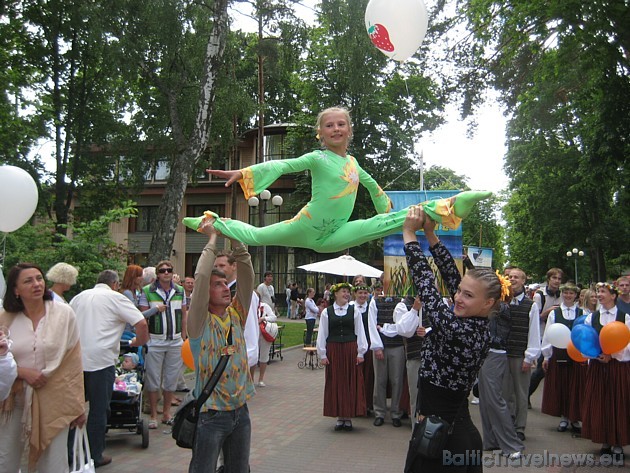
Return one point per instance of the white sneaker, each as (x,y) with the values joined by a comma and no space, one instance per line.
(261,384)
(475,400)
(514,456)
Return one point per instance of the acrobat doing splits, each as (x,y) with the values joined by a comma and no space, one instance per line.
(323,223)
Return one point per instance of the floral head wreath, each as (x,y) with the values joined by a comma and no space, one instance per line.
(611,287)
(505,287)
(361,287)
(335,287)
(569,286)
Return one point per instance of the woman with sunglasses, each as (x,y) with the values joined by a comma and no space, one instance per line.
(606,401)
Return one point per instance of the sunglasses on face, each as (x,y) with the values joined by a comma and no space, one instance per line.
(165,270)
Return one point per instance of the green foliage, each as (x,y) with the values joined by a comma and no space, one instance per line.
(90,248)
(481,227)
(562,69)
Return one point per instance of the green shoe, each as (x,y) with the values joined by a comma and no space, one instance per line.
(195,222)
(465,201)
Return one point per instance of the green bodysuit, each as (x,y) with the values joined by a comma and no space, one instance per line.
(322,224)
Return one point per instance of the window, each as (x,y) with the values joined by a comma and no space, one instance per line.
(141,259)
(146,219)
(274,147)
(162,170)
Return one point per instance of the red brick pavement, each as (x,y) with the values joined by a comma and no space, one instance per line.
(290,435)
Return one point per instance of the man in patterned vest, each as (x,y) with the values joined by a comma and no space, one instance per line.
(167,332)
(215,325)
(523,348)
(389,358)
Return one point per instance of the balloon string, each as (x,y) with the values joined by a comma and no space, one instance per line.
(4,249)
(411,119)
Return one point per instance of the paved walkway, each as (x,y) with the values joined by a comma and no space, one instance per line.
(290,435)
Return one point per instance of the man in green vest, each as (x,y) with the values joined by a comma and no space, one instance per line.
(167,331)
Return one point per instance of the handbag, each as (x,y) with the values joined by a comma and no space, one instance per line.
(82,461)
(269,331)
(429,438)
(187,416)
(432,436)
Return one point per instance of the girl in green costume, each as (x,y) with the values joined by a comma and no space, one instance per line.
(322,224)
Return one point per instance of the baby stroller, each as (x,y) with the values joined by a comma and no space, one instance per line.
(126,403)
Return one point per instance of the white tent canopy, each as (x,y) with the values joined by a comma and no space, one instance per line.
(344,265)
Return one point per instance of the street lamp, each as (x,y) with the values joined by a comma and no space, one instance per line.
(254,201)
(575,252)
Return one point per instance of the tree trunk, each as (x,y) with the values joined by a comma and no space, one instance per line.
(189,152)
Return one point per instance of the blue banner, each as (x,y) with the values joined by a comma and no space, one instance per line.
(396,276)
(452,239)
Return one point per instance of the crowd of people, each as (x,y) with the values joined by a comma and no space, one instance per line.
(148,307)
(424,352)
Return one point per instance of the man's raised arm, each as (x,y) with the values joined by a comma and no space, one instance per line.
(245,273)
(198,311)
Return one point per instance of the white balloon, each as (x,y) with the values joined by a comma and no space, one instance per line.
(396,27)
(18,198)
(559,335)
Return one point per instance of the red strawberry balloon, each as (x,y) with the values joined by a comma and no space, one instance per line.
(380,37)
(396,27)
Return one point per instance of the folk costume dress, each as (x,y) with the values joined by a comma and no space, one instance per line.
(322,224)
(606,401)
(565,378)
(451,358)
(341,340)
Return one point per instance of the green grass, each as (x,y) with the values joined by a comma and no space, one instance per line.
(293,333)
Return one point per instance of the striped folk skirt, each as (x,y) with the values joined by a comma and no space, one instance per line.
(564,389)
(344,392)
(606,403)
(368,379)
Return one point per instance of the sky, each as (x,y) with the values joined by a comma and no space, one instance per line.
(479,158)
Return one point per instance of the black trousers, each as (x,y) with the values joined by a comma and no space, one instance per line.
(537,376)
(464,448)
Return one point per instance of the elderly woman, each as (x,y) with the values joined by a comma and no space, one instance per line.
(62,276)
(341,345)
(47,397)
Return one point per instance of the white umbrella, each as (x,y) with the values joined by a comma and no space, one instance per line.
(344,265)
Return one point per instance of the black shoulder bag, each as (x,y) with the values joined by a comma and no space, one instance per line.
(187,416)
(429,437)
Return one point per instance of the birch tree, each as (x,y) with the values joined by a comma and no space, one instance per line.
(177,49)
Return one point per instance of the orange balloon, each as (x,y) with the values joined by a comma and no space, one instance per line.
(574,353)
(614,337)
(187,355)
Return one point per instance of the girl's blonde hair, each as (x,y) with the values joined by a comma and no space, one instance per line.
(320,117)
(586,299)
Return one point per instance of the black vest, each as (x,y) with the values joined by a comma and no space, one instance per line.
(560,354)
(597,325)
(385,315)
(413,345)
(517,340)
(499,327)
(341,328)
(365,317)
